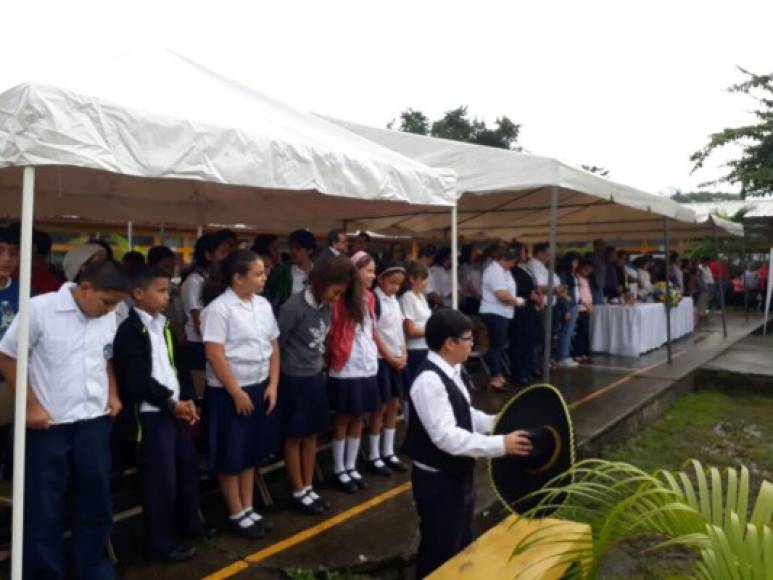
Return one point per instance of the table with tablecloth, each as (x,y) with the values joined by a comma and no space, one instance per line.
(632,330)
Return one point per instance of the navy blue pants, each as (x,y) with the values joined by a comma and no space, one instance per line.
(75,456)
(445,505)
(497,328)
(170,482)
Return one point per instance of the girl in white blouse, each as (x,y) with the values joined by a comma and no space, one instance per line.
(240,336)
(416,312)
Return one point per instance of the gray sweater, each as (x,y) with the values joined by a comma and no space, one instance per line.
(303,328)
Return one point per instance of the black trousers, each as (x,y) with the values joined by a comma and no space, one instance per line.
(523,345)
(582,338)
(74,457)
(170,482)
(445,505)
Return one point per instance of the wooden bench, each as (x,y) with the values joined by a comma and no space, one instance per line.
(488,557)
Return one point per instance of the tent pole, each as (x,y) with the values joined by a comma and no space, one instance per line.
(130,234)
(721,284)
(454,259)
(549,303)
(22,358)
(667,253)
(743,265)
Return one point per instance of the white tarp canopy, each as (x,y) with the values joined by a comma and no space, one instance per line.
(154,137)
(506,194)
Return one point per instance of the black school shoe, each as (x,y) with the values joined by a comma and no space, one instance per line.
(251,532)
(377,467)
(178,554)
(358,480)
(394,463)
(311,508)
(348,485)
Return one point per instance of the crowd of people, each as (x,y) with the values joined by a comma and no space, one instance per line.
(249,354)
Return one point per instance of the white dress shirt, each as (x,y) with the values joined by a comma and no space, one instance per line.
(300,279)
(430,403)
(69,353)
(495,277)
(441,282)
(390,323)
(192,300)
(246,330)
(416,308)
(363,360)
(161,367)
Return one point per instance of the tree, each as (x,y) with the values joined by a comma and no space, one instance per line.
(703,196)
(753,169)
(598,170)
(456,125)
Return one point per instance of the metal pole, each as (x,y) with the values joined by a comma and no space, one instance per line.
(130,234)
(721,282)
(454,259)
(669,346)
(744,264)
(549,304)
(22,356)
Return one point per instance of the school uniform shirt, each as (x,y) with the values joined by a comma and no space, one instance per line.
(390,324)
(363,360)
(429,400)
(246,330)
(161,367)
(9,304)
(68,359)
(300,279)
(416,308)
(192,300)
(303,327)
(441,282)
(469,274)
(495,277)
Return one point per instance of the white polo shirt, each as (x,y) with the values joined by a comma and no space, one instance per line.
(191,292)
(390,323)
(495,277)
(246,330)
(68,356)
(416,309)
(161,367)
(363,359)
(441,282)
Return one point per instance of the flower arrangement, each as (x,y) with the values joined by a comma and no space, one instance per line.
(669,295)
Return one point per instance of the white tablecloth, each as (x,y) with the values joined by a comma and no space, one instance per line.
(633,330)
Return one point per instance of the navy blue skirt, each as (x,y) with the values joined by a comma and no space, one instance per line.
(392,383)
(415,359)
(303,405)
(237,442)
(355,396)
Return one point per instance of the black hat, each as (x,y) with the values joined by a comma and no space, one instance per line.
(542,411)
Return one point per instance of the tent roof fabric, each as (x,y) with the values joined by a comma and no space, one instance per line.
(190,131)
(507,194)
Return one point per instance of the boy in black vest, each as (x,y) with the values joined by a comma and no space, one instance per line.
(445,434)
(159,395)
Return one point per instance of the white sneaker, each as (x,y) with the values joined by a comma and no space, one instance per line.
(568,363)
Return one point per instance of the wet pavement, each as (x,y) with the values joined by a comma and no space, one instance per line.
(377,529)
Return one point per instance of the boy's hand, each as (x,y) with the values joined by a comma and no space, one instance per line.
(114,406)
(37,417)
(518,443)
(186,411)
(270,396)
(243,403)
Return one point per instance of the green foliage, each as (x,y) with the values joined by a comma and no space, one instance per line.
(694,508)
(456,125)
(753,169)
(703,196)
(320,574)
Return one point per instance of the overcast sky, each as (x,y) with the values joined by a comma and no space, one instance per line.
(633,88)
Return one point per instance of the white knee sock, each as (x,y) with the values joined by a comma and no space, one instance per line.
(388,442)
(339,445)
(352,448)
(373,447)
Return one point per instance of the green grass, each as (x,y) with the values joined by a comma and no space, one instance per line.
(714,427)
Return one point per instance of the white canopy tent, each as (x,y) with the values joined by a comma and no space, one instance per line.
(512,195)
(157,138)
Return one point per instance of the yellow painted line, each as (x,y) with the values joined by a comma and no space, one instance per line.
(621,381)
(308,533)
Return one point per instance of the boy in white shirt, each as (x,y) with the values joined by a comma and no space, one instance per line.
(71,399)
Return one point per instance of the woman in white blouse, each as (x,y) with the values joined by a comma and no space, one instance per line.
(497,308)
(643,264)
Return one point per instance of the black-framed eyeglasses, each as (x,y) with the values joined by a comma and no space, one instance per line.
(469,339)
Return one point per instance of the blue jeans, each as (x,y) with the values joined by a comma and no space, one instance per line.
(566,333)
(598,296)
